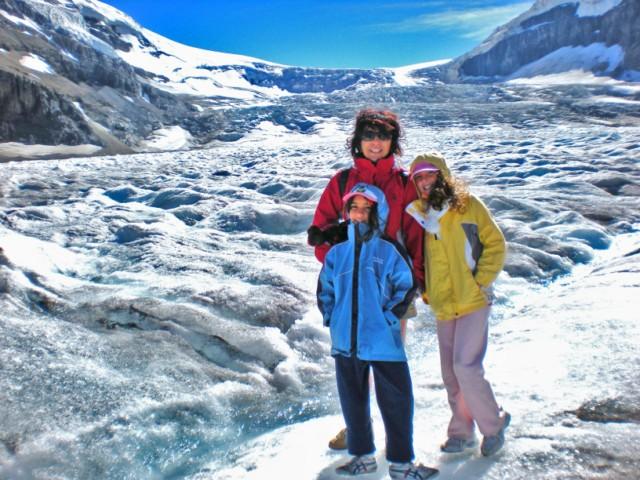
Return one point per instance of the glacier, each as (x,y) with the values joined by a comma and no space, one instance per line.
(158,310)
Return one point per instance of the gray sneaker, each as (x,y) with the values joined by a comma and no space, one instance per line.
(411,471)
(457,445)
(358,466)
(493,443)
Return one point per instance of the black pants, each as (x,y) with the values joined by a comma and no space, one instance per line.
(395,399)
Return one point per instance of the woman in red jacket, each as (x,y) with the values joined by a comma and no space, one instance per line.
(373,145)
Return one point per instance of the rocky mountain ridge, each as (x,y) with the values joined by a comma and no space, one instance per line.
(551,38)
(81,73)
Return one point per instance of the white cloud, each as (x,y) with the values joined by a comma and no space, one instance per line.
(476,23)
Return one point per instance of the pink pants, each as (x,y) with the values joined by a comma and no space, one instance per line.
(463,344)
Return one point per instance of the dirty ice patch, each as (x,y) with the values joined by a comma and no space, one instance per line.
(21,151)
(34,62)
(169,138)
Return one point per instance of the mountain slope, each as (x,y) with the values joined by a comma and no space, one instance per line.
(81,72)
(599,36)
(63,83)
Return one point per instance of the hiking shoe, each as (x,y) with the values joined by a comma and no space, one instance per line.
(457,445)
(493,443)
(358,466)
(339,442)
(401,471)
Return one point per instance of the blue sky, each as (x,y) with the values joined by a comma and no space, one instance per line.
(328,33)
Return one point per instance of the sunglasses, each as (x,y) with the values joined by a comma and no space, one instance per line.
(370,135)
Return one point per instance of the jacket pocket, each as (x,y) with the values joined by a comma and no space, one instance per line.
(394,328)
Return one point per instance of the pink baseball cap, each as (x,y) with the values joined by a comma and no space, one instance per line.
(423,167)
(362,189)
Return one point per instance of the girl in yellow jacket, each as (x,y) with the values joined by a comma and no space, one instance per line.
(460,254)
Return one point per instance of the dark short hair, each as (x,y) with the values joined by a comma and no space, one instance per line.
(379,120)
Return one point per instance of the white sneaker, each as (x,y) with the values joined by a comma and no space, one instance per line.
(401,471)
(358,466)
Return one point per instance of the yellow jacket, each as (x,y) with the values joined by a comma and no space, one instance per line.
(466,253)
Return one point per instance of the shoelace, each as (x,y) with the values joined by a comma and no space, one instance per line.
(358,465)
(413,472)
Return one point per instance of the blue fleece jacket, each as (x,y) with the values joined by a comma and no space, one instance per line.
(364,288)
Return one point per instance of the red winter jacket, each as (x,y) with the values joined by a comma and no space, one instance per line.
(413,236)
(385,175)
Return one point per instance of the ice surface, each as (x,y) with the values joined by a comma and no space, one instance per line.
(158,310)
(169,138)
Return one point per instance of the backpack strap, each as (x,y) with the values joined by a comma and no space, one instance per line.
(344,176)
(342,180)
(405,177)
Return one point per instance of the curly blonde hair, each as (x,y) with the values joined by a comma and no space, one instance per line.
(447,189)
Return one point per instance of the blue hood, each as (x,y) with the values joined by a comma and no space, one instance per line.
(374,194)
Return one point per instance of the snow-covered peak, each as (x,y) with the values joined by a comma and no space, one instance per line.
(586,8)
(177,68)
(196,55)
(195,71)
(171,66)
(68,17)
(403,76)
(104,9)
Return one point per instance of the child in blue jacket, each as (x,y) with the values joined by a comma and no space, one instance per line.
(365,287)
